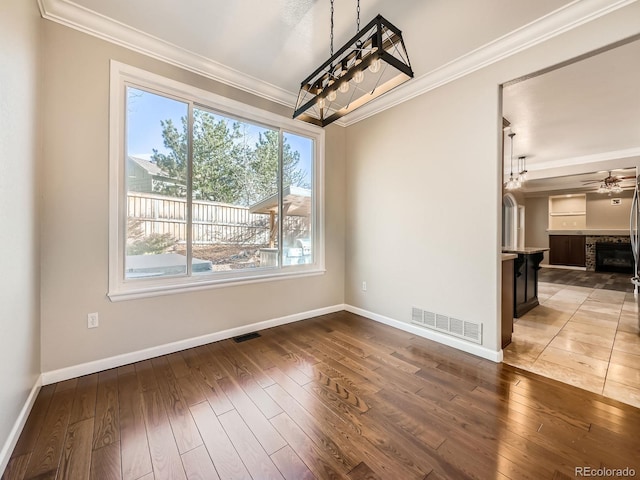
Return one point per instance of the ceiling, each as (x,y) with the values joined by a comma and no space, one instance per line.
(583,117)
(282,41)
(268,47)
(581,183)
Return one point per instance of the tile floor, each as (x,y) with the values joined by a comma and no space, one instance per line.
(581,278)
(588,337)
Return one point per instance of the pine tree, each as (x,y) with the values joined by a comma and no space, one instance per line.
(225,168)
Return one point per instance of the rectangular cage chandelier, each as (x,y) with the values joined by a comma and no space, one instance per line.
(372,63)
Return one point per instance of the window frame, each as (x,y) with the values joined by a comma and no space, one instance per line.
(121,288)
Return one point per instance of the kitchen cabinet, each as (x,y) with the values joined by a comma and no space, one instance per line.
(567,250)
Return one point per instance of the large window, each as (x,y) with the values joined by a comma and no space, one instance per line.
(207,191)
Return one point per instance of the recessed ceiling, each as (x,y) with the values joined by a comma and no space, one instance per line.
(585,113)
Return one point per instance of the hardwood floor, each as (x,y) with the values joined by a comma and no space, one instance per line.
(338,396)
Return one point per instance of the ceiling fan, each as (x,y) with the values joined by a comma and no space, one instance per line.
(610,184)
(609,179)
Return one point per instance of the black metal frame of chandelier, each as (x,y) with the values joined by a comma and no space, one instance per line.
(380,53)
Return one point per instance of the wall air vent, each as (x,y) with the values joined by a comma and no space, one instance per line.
(429,319)
(442,322)
(455,327)
(244,338)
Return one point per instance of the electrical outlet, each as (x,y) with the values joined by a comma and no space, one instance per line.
(92,320)
(364,286)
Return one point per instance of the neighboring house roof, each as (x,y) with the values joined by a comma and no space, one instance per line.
(154,171)
(149,166)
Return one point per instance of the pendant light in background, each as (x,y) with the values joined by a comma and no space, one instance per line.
(512,183)
(522,168)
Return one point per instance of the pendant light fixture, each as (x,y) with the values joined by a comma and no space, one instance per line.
(522,167)
(373,62)
(512,183)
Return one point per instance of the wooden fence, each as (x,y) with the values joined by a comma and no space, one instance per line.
(213,223)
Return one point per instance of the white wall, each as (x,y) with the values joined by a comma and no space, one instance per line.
(20,276)
(418,240)
(75,222)
(415,240)
(602,214)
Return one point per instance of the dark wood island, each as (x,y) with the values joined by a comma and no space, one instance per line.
(525,278)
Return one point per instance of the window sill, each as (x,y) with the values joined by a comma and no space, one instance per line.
(134,292)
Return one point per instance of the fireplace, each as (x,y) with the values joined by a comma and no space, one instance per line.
(614,257)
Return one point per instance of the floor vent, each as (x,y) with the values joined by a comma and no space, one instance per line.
(244,338)
(464,329)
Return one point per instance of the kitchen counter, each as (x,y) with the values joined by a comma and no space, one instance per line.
(508,256)
(525,250)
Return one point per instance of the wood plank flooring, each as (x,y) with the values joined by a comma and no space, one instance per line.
(337,396)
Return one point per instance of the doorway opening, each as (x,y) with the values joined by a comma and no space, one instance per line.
(576,124)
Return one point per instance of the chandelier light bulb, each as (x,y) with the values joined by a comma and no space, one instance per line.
(512,184)
(344,87)
(359,76)
(375,66)
(331,96)
(321,103)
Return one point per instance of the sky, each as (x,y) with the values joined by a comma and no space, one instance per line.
(145,110)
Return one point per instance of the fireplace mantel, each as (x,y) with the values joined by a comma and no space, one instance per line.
(592,231)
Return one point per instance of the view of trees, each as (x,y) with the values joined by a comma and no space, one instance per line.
(227,168)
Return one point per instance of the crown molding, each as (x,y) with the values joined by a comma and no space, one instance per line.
(615,156)
(555,23)
(87,21)
(562,167)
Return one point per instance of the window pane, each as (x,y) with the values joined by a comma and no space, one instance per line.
(155,185)
(297,159)
(235,194)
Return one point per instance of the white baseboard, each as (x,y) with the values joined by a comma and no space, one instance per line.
(126,358)
(478,350)
(14,434)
